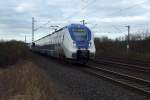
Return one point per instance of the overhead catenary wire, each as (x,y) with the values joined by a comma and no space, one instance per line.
(35,29)
(118,29)
(42,25)
(90,3)
(78,12)
(130,7)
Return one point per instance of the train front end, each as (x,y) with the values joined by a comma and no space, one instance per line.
(83,42)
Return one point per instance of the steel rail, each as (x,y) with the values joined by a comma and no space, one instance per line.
(124,65)
(140,85)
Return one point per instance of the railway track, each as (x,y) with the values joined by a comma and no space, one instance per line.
(135,84)
(117,64)
(107,70)
(126,61)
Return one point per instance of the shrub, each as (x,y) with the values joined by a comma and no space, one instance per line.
(139,48)
(12,51)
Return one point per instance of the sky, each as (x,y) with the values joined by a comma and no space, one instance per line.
(103,17)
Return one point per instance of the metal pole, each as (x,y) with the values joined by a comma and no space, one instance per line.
(25,39)
(128,39)
(83,22)
(32,29)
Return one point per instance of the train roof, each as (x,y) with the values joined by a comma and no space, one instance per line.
(69,26)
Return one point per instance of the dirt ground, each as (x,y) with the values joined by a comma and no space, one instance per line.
(25,81)
(45,78)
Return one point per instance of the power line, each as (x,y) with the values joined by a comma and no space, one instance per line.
(116,28)
(82,9)
(54,27)
(35,29)
(130,7)
(42,26)
(126,9)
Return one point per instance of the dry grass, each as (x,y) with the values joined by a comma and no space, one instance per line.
(12,51)
(25,81)
(22,79)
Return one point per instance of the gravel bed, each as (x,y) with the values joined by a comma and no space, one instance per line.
(79,85)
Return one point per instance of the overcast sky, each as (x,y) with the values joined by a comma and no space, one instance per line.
(104,17)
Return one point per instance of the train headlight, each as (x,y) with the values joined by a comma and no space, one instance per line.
(74,44)
(90,44)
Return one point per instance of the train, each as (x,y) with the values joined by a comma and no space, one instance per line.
(74,42)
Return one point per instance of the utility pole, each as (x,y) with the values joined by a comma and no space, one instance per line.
(33,29)
(25,39)
(147,31)
(128,38)
(83,22)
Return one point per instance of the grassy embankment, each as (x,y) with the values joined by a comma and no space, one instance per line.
(20,78)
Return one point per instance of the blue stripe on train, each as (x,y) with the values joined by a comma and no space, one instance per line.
(80,44)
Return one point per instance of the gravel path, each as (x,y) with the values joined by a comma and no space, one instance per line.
(79,85)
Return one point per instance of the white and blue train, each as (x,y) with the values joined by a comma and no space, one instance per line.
(74,42)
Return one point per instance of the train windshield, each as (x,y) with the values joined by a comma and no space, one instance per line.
(80,34)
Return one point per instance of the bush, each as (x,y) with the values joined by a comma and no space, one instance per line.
(12,51)
(139,48)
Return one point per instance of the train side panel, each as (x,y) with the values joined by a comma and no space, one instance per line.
(68,45)
(62,44)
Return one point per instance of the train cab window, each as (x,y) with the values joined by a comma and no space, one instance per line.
(80,34)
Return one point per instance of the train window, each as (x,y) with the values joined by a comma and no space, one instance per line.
(80,34)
